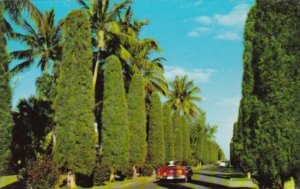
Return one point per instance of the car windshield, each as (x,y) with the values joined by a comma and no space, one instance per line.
(175,163)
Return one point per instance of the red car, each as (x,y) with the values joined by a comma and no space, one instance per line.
(174,170)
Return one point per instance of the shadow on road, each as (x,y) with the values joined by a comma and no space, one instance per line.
(16,185)
(171,184)
(224,176)
(209,185)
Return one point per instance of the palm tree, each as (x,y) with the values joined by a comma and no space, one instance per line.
(211,130)
(151,70)
(182,96)
(43,41)
(14,10)
(108,38)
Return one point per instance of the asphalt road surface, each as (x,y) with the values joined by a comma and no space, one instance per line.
(201,179)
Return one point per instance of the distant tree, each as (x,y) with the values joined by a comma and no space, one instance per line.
(185,139)
(76,138)
(6,121)
(195,132)
(114,131)
(182,97)
(200,145)
(178,144)
(211,131)
(137,122)
(168,133)
(156,146)
(234,146)
(221,155)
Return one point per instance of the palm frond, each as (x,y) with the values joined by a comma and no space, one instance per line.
(83,4)
(117,8)
(194,90)
(8,29)
(128,16)
(23,54)
(29,29)
(21,66)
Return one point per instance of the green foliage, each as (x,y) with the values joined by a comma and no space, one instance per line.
(114,131)
(100,174)
(183,97)
(195,133)
(268,112)
(211,131)
(178,143)
(33,122)
(40,174)
(185,139)
(42,39)
(156,146)
(147,170)
(200,145)
(168,133)
(137,121)
(6,121)
(75,135)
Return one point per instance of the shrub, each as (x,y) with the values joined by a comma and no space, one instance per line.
(100,175)
(39,174)
(147,170)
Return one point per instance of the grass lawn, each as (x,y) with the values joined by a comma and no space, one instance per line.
(108,185)
(7,180)
(121,184)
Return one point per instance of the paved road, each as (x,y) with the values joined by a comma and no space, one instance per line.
(207,178)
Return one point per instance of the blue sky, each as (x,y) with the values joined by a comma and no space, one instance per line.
(201,38)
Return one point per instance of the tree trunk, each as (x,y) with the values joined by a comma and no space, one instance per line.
(249,175)
(134,174)
(53,138)
(96,71)
(71,180)
(112,175)
(289,184)
(154,173)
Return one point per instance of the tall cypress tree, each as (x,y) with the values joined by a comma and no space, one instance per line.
(156,146)
(199,150)
(75,134)
(6,121)
(267,117)
(178,144)
(114,131)
(168,132)
(137,121)
(185,139)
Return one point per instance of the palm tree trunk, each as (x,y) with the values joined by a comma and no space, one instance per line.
(96,71)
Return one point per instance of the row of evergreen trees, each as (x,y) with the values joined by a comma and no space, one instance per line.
(134,129)
(266,135)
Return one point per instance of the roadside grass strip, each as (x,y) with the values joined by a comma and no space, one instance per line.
(124,184)
(226,177)
(7,180)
